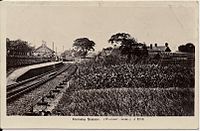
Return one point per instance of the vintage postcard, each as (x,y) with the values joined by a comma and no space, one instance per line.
(99,64)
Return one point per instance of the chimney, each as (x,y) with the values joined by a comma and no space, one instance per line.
(43,43)
(151,46)
(166,44)
(155,44)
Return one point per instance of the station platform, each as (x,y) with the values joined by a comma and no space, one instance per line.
(12,78)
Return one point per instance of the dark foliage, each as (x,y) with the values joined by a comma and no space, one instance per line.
(128,45)
(129,90)
(189,47)
(82,46)
(18,47)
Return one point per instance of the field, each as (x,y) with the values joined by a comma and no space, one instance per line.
(129,90)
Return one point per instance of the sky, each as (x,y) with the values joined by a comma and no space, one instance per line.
(149,22)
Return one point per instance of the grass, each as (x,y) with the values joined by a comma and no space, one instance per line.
(128,102)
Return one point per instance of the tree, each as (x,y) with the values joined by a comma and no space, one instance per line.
(18,47)
(189,47)
(83,46)
(128,45)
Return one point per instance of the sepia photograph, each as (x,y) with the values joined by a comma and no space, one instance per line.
(102,59)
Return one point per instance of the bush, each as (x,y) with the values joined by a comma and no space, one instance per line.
(129,90)
(93,76)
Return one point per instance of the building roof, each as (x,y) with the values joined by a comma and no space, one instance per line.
(44,48)
(158,49)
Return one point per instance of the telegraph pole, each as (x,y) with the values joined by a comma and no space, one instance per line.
(56,54)
(53,46)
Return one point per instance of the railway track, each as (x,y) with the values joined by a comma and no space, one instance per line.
(18,89)
(48,101)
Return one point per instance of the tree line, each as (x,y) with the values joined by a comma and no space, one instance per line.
(127,45)
(189,47)
(18,47)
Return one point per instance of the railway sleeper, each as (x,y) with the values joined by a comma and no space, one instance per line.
(66,80)
(31,114)
(63,83)
(43,103)
(55,91)
(59,87)
(59,113)
(50,96)
(44,113)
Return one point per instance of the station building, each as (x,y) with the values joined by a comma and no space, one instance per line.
(44,51)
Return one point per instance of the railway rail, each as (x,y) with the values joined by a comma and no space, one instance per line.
(18,89)
(44,105)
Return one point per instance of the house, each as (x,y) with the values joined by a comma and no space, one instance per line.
(67,55)
(158,49)
(44,51)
